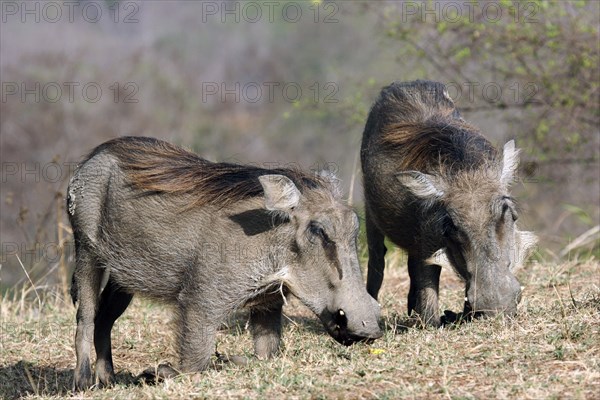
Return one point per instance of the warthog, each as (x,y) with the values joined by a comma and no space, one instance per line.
(151,218)
(433,183)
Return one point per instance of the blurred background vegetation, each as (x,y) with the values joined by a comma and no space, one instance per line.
(290,82)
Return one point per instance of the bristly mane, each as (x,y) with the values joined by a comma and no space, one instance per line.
(440,144)
(154,166)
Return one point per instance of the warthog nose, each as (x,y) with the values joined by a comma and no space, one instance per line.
(360,329)
(340,319)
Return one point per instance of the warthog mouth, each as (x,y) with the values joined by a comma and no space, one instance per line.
(469,313)
(348,340)
(337,327)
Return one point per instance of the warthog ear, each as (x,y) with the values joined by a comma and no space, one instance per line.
(280,192)
(525,243)
(510,162)
(422,185)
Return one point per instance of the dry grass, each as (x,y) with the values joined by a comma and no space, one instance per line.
(551,350)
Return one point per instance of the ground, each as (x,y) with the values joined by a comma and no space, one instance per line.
(551,349)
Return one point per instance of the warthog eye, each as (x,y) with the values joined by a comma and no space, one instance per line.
(316,231)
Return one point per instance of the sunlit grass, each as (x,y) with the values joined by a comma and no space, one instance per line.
(551,350)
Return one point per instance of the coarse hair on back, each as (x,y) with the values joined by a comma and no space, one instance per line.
(153,166)
(440,144)
(419,122)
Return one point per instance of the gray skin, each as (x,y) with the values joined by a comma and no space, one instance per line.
(444,213)
(209,261)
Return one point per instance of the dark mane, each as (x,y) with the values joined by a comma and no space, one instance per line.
(155,166)
(438,144)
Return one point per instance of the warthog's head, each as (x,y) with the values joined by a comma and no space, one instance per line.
(323,270)
(475,218)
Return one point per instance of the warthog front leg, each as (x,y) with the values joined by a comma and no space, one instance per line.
(377,252)
(86,279)
(265,326)
(424,288)
(112,304)
(197,338)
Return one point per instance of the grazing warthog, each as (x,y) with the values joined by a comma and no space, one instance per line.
(434,183)
(151,218)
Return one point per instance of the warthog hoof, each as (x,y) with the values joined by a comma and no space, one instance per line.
(224,358)
(152,376)
(83,378)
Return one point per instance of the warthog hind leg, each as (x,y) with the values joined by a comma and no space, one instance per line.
(113,303)
(86,282)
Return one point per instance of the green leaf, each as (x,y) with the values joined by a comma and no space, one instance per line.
(463,53)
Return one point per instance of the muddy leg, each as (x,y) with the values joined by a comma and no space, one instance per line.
(423,294)
(113,303)
(86,279)
(265,326)
(377,252)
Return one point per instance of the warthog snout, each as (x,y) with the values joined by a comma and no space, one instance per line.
(349,325)
(490,299)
